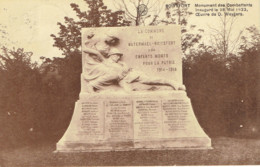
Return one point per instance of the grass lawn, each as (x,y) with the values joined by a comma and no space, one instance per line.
(227,151)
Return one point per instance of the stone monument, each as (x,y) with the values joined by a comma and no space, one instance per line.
(132,96)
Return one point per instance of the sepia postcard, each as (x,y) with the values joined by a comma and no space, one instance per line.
(129,82)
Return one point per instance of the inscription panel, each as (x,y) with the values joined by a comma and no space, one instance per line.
(148,119)
(118,118)
(175,116)
(92,120)
(153,50)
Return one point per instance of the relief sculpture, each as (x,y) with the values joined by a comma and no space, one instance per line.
(104,69)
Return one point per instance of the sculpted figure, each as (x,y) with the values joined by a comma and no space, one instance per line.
(107,74)
(112,74)
(97,49)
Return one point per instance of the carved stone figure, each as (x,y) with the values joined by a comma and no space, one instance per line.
(114,75)
(97,47)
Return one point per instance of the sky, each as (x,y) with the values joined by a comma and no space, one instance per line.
(29,23)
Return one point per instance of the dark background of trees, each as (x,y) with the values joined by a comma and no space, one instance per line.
(37,102)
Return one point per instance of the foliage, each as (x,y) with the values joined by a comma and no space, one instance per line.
(251,40)
(177,12)
(224,90)
(19,80)
(141,12)
(222,37)
(69,37)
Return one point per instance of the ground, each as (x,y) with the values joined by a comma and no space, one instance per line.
(227,151)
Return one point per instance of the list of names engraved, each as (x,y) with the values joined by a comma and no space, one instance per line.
(118,116)
(92,119)
(148,116)
(175,116)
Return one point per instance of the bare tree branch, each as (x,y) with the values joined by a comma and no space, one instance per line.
(147,2)
(126,8)
(133,2)
(221,38)
(236,41)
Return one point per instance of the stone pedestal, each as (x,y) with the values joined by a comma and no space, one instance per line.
(141,120)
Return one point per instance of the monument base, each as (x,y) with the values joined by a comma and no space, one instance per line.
(141,120)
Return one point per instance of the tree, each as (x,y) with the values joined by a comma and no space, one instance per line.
(3,35)
(178,13)
(250,51)
(19,93)
(206,78)
(232,85)
(250,39)
(69,37)
(140,12)
(222,38)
